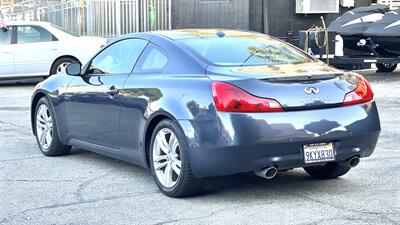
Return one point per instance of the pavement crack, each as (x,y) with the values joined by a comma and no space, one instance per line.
(240,206)
(341,218)
(15,108)
(33,157)
(23,129)
(199,217)
(343,208)
(37,180)
(86,183)
(10,218)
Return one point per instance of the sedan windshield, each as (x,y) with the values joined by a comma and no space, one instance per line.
(239,51)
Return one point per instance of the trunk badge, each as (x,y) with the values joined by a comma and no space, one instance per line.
(311,90)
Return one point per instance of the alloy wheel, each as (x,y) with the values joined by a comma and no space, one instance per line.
(388,65)
(166,157)
(44,126)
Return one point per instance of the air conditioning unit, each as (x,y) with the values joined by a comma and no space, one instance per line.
(5,2)
(394,4)
(317,6)
(347,3)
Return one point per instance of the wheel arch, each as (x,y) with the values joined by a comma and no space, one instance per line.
(63,56)
(151,125)
(35,100)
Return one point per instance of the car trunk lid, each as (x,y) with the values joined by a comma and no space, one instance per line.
(301,86)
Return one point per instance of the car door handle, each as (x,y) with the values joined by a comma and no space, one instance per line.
(113,90)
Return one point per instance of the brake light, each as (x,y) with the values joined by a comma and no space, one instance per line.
(229,98)
(362,93)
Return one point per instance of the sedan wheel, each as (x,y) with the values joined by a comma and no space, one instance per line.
(62,68)
(166,157)
(44,127)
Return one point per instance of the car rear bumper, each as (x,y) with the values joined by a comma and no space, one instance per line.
(230,143)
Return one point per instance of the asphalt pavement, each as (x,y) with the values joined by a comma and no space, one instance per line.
(88,188)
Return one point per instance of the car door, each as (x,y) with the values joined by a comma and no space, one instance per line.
(35,50)
(93,101)
(141,99)
(6,53)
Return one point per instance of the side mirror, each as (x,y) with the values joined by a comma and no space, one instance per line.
(74,69)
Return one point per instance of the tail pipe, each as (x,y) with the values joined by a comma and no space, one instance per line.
(353,162)
(267,173)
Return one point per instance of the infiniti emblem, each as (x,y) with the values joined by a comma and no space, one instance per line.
(311,90)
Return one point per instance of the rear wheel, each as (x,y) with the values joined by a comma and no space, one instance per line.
(60,65)
(386,67)
(329,171)
(46,130)
(169,161)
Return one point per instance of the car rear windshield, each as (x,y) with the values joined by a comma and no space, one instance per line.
(65,31)
(239,51)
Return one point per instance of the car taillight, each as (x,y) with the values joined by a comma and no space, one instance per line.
(362,93)
(229,98)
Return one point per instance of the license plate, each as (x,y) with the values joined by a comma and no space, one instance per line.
(319,152)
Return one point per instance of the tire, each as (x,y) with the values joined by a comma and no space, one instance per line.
(61,61)
(386,68)
(329,171)
(54,147)
(186,184)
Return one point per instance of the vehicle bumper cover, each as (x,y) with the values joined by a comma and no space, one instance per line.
(223,143)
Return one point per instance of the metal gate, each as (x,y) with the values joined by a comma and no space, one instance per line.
(67,15)
(104,18)
(25,10)
(112,17)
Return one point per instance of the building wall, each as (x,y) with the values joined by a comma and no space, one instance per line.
(256,20)
(232,14)
(274,17)
(282,21)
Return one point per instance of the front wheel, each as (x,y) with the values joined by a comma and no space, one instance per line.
(329,171)
(169,161)
(46,130)
(386,67)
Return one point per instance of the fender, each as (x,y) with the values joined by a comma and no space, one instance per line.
(53,89)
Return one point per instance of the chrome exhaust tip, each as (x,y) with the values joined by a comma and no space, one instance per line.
(353,162)
(267,173)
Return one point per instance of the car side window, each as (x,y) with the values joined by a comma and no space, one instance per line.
(5,36)
(118,58)
(33,34)
(154,60)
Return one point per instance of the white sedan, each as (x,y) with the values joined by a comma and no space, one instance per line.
(34,49)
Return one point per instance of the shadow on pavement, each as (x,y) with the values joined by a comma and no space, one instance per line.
(20,82)
(246,185)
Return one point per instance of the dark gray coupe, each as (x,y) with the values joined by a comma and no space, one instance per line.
(190,104)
